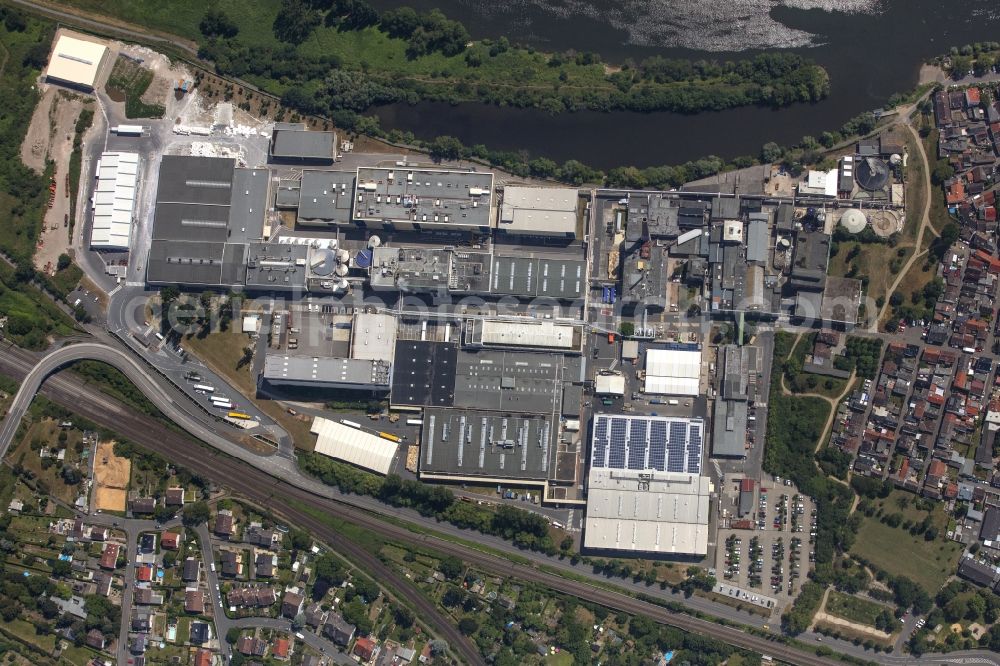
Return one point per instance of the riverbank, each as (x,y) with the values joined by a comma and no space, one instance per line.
(329,61)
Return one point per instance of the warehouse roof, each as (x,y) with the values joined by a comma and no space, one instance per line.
(424,373)
(673,371)
(353,445)
(642,511)
(301,144)
(480,444)
(431,197)
(343,372)
(75,61)
(373,336)
(324,197)
(729,429)
(546,211)
(667,444)
(538,276)
(516,381)
(550,334)
(114,200)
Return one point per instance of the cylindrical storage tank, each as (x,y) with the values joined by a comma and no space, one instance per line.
(854,220)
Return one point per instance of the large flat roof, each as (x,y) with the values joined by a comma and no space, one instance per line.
(640,442)
(325,197)
(342,372)
(208,215)
(353,445)
(650,512)
(427,197)
(301,144)
(673,371)
(542,211)
(528,382)
(529,333)
(75,61)
(563,279)
(729,429)
(114,200)
(424,373)
(373,336)
(479,444)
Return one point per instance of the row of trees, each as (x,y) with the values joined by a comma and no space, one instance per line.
(526,529)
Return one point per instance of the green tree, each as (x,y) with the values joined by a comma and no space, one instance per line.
(445,148)
(63,262)
(196,513)
(451,567)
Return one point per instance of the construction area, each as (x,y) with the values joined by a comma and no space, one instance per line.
(111,477)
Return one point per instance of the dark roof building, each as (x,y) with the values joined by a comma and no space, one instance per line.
(977,572)
(296,144)
(338,630)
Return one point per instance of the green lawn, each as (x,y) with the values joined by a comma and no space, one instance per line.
(24,631)
(854,608)
(895,550)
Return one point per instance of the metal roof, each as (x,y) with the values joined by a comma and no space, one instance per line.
(114,200)
(543,211)
(353,445)
(76,61)
(296,144)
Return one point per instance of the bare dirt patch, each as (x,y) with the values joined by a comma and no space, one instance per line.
(50,137)
(111,475)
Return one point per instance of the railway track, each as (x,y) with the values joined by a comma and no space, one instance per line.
(267,491)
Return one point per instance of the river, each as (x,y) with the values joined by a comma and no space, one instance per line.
(871,48)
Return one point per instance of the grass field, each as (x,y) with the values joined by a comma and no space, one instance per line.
(916,189)
(939,215)
(128,82)
(895,550)
(24,631)
(872,261)
(854,608)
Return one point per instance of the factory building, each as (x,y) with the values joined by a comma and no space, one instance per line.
(549,212)
(113,201)
(310,349)
(292,143)
(320,198)
(207,215)
(407,198)
(645,491)
(75,61)
(480,446)
(521,334)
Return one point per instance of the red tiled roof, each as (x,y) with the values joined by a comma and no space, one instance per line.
(281,647)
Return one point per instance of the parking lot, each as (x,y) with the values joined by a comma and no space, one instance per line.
(768,551)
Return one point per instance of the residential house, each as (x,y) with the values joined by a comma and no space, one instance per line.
(265,565)
(191,571)
(170,540)
(251,647)
(203,657)
(95,639)
(143,505)
(109,558)
(102,584)
(338,630)
(194,602)
(365,648)
(199,633)
(225,526)
(314,615)
(147,543)
(175,497)
(291,604)
(232,565)
(281,648)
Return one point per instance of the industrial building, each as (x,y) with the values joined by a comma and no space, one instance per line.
(481,446)
(353,445)
(75,62)
(207,215)
(326,350)
(524,334)
(440,270)
(407,198)
(320,198)
(293,143)
(645,492)
(729,429)
(673,371)
(539,211)
(113,201)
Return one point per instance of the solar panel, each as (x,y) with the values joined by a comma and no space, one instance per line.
(694,449)
(637,444)
(600,454)
(675,446)
(616,445)
(658,445)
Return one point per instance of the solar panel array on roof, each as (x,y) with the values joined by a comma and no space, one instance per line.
(647,442)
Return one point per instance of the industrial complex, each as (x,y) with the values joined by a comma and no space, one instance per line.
(520,335)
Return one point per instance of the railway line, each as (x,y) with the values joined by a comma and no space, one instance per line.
(266,490)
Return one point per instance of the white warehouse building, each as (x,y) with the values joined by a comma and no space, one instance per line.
(113,201)
(673,371)
(353,445)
